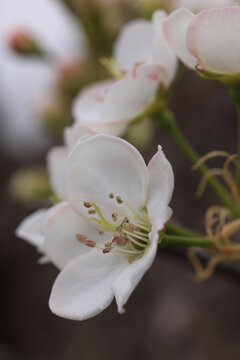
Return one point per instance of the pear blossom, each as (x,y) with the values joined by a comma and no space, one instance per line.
(198,5)
(142,41)
(110,106)
(27,82)
(207,41)
(104,237)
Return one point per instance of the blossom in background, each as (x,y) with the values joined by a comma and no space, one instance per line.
(26,82)
(207,41)
(104,237)
(198,5)
(110,106)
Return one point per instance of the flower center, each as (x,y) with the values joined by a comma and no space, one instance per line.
(130,234)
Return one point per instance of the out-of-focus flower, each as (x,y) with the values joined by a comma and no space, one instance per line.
(207,41)
(142,42)
(198,5)
(25,82)
(146,7)
(110,106)
(105,236)
(30,185)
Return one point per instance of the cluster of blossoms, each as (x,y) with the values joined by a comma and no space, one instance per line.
(105,234)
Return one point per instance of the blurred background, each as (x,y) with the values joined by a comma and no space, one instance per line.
(169,315)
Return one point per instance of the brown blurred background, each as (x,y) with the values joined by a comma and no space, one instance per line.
(168,316)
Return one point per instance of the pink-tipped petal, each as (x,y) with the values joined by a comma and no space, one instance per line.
(137,35)
(175,28)
(83,289)
(129,97)
(213,38)
(163,53)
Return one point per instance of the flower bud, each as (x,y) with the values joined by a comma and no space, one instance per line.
(23,43)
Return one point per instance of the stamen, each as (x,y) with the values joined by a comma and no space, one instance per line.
(114,216)
(111,195)
(119,200)
(98,211)
(81,238)
(136,235)
(137,242)
(100,231)
(87,204)
(92,212)
(108,243)
(90,243)
(120,240)
(107,250)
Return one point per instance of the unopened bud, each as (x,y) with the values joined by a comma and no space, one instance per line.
(23,43)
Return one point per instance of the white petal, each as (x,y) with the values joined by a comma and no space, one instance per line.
(61,227)
(56,162)
(83,288)
(163,53)
(137,35)
(175,28)
(105,164)
(128,279)
(76,133)
(161,185)
(31,229)
(129,97)
(213,38)
(88,109)
(198,5)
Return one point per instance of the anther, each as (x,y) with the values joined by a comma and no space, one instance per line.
(107,249)
(120,240)
(90,243)
(114,216)
(87,204)
(108,243)
(125,221)
(111,195)
(81,238)
(92,211)
(119,200)
(100,231)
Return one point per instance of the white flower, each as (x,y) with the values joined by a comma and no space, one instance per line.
(143,53)
(208,41)
(105,236)
(26,83)
(143,41)
(198,5)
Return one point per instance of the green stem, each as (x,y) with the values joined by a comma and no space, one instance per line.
(173,229)
(167,121)
(173,240)
(235,93)
(238,160)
